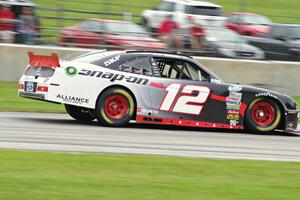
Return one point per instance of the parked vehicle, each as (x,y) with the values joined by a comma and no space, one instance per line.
(281,43)
(229,44)
(248,23)
(116,87)
(91,33)
(203,12)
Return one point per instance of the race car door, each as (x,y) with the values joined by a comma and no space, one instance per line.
(184,92)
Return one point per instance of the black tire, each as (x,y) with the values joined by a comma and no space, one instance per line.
(80,113)
(115,107)
(263,115)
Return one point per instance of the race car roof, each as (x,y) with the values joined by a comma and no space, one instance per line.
(100,57)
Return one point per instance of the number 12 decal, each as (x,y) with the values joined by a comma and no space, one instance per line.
(185,102)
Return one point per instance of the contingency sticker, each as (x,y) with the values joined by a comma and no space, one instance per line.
(233,105)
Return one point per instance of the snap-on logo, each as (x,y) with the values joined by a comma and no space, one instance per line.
(114,77)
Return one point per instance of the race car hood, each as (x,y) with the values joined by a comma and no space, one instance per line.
(283,98)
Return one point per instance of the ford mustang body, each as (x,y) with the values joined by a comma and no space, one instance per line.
(116,87)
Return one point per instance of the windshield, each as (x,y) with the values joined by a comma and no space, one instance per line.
(256,19)
(295,33)
(203,10)
(226,35)
(126,29)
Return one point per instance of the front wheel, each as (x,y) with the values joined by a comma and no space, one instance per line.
(80,113)
(115,107)
(263,116)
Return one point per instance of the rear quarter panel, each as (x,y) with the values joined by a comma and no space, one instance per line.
(85,84)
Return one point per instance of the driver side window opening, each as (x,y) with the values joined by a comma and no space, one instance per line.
(179,69)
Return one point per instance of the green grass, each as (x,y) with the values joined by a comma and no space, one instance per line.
(286,11)
(37,175)
(9,101)
(280,11)
(133,6)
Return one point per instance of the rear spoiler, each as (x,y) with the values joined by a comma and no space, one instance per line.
(43,60)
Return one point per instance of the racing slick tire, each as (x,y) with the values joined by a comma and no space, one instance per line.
(263,115)
(115,107)
(80,113)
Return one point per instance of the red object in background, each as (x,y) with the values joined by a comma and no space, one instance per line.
(43,60)
(6,26)
(248,24)
(167,27)
(197,31)
(94,32)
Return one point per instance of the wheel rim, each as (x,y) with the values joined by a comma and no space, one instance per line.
(116,107)
(263,114)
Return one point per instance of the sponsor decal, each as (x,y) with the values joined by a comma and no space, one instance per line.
(235,88)
(143,110)
(291,124)
(235,95)
(233,101)
(233,116)
(71,71)
(234,112)
(233,122)
(111,60)
(29,87)
(266,94)
(231,98)
(113,77)
(71,99)
(233,106)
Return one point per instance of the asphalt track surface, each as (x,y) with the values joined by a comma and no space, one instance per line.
(59,132)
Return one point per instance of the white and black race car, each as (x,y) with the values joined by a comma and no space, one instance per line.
(116,87)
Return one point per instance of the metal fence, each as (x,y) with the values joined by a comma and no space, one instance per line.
(60,17)
(57,17)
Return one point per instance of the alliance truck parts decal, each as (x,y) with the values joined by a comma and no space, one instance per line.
(72,99)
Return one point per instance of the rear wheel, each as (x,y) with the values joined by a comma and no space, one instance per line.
(80,113)
(263,116)
(115,107)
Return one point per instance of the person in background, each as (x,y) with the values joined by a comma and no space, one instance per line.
(7,20)
(168,32)
(197,34)
(28,26)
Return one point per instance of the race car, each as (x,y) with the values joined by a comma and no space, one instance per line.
(116,87)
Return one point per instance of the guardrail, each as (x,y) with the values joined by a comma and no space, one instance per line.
(279,76)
